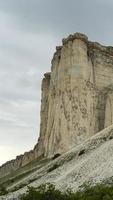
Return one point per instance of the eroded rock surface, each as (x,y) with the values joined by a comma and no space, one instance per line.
(77,98)
(80,93)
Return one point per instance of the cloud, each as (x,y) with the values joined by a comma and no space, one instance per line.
(62,17)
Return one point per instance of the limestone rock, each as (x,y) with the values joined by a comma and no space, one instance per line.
(81,79)
(77,98)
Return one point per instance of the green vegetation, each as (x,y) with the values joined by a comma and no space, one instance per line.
(48,192)
(55,166)
(3,190)
(81,152)
(56,156)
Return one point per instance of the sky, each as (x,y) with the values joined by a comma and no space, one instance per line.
(29,32)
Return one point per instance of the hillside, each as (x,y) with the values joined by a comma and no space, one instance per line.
(88,163)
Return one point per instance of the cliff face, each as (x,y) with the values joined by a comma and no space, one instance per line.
(77,98)
(80,94)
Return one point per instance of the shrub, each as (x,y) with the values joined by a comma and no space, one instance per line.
(81,152)
(55,166)
(44,192)
(48,192)
(3,190)
(56,156)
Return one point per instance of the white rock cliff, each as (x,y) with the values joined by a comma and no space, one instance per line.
(77,99)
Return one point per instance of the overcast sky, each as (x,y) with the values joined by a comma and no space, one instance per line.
(29,32)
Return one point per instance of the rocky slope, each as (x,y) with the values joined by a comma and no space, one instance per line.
(88,163)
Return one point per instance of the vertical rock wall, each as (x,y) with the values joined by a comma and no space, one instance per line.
(77,99)
(81,74)
(72,97)
(39,148)
(109,110)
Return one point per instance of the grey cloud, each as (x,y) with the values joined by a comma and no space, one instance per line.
(62,17)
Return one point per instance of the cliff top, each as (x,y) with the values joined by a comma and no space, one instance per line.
(90,44)
(47,75)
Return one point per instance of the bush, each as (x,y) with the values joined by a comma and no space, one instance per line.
(55,166)
(3,190)
(81,152)
(44,192)
(56,156)
(48,192)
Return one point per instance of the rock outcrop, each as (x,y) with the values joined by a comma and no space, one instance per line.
(80,94)
(77,98)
